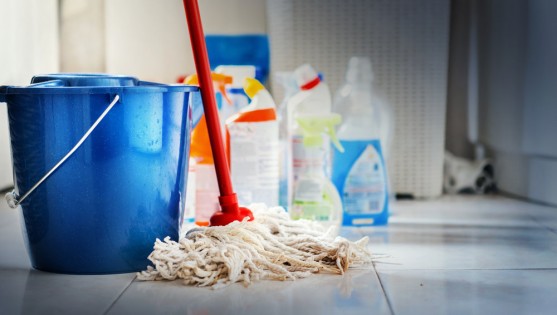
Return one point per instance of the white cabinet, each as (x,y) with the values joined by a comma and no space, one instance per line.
(518,84)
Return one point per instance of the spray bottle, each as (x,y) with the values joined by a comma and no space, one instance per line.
(234,90)
(359,173)
(252,141)
(202,178)
(315,196)
(313,99)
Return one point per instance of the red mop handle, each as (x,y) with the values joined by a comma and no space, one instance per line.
(227,199)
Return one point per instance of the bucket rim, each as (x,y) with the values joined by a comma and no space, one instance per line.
(11,90)
(92,83)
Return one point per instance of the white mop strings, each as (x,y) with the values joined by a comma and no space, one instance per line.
(272,247)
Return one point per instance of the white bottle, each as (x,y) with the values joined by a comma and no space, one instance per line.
(235,91)
(252,137)
(315,197)
(359,173)
(314,98)
(311,126)
(359,75)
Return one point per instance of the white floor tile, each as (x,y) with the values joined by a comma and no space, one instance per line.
(13,252)
(471,291)
(461,233)
(358,292)
(464,248)
(27,291)
(470,210)
(446,256)
(24,291)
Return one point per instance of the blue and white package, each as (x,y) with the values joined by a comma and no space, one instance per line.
(244,49)
(360,176)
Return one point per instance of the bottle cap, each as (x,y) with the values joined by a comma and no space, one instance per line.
(252,87)
(359,70)
(306,77)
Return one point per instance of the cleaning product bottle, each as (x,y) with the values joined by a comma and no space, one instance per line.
(202,177)
(288,82)
(313,99)
(359,173)
(252,141)
(315,197)
(359,75)
(235,90)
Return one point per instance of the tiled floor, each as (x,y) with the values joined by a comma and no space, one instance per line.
(454,255)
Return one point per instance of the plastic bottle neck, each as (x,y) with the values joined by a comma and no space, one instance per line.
(262,100)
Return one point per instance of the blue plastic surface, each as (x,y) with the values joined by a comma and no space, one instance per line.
(249,49)
(102,210)
(342,165)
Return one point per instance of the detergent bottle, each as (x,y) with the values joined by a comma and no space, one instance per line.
(252,142)
(313,99)
(202,177)
(288,82)
(359,173)
(359,75)
(315,196)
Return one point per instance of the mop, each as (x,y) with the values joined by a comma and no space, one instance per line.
(245,244)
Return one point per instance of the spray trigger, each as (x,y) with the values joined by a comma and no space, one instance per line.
(314,126)
(219,80)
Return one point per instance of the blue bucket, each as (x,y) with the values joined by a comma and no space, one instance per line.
(101,210)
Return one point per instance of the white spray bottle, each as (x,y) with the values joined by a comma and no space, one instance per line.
(310,126)
(315,196)
(314,98)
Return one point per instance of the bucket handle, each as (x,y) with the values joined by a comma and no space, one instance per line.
(14,200)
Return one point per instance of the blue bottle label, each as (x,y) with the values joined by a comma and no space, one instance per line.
(360,176)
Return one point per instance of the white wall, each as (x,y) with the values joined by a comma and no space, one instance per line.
(407,42)
(29,47)
(82,36)
(149,38)
(145,38)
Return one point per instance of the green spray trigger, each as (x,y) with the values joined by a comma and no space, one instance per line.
(314,126)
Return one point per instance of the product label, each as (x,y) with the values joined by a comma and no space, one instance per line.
(206,192)
(311,211)
(316,199)
(302,158)
(254,161)
(309,201)
(360,176)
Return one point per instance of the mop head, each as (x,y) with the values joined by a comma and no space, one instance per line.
(271,247)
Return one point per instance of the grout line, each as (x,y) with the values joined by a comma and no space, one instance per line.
(542,224)
(383,290)
(119,296)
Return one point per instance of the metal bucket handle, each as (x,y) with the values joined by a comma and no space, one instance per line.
(14,200)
